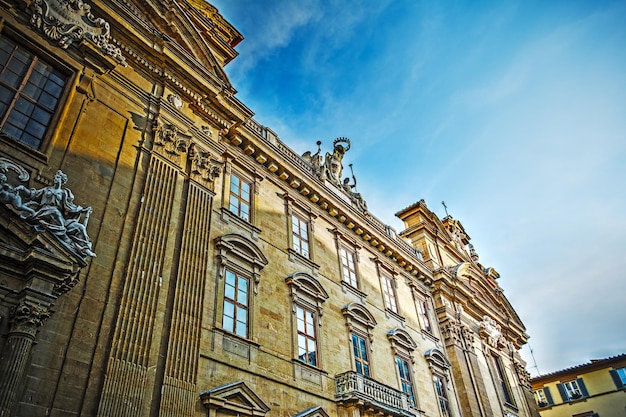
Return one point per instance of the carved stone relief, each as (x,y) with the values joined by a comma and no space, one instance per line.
(70,21)
(491,331)
(170,138)
(203,165)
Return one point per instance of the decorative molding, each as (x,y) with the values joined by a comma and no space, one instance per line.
(71,21)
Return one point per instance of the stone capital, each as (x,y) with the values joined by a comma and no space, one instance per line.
(27,318)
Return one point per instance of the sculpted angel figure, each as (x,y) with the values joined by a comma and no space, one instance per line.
(54,209)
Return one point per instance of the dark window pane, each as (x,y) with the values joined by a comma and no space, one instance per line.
(18,119)
(35,128)
(48,101)
(22,55)
(11,78)
(24,106)
(37,79)
(6,95)
(53,88)
(57,77)
(41,116)
(4,58)
(12,131)
(32,91)
(17,66)
(30,140)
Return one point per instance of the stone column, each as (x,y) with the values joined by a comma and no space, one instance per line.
(25,319)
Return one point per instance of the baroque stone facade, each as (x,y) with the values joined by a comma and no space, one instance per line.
(163,254)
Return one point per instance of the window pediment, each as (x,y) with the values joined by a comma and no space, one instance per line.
(242,248)
(355,312)
(303,283)
(400,339)
(436,359)
(313,412)
(236,398)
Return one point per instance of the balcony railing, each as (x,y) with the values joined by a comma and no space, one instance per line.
(353,387)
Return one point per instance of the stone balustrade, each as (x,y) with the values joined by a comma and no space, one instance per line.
(371,394)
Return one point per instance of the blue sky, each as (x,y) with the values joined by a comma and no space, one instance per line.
(513,112)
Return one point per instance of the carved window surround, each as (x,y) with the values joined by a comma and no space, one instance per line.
(304,212)
(359,320)
(389,292)
(241,256)
(307,293)
(251,177)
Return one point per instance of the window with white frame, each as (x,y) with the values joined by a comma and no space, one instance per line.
(572,390)
(30,90)
(543,398)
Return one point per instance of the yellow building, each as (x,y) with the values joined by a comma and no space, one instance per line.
(594,389)
(163,254)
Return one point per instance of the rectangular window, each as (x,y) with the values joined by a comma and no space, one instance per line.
(540,398)
(235,318)
(30,89)
(361,362)
(572,390)
(307,340)
(502,381)
(348,266)
(423,306)
(405,378)
(300,235)
(442,396)
(389,293)
(240,197)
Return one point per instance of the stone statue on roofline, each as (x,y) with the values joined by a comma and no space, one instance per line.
(333,167)
(51,208)
(330,169)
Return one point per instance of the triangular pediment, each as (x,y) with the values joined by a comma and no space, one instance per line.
(196,28)
(236,397)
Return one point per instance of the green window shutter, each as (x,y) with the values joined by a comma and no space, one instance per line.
(546,392)
(616,379)
(563,392)
(583,388)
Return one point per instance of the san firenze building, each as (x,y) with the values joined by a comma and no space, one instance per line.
(164,254)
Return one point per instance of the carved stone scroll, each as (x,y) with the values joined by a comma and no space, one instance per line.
(71,21)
